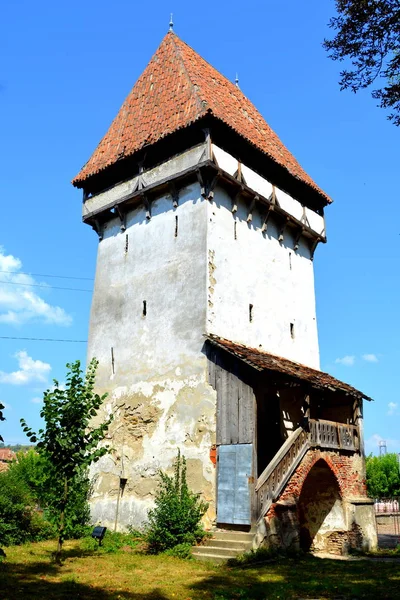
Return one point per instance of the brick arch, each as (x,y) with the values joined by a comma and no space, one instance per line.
(316,457)
(296,482)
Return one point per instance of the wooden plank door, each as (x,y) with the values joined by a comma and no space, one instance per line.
(233,487)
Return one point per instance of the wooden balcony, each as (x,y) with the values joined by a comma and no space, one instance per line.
(332,435)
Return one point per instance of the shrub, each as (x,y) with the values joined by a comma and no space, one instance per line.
(180,551)
(31,472)
(175,520)
(20,522)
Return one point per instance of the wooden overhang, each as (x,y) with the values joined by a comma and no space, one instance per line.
(296,372)
(208,173)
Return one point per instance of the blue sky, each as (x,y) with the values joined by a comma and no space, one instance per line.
(66,69)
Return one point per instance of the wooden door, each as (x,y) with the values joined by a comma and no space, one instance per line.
(233,484)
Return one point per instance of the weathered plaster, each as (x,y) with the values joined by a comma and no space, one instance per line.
(157,379)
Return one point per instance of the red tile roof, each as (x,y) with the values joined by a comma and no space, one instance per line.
(264,361)
(7,455)
(177,88)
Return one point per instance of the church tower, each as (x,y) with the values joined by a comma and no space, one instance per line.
(203,314)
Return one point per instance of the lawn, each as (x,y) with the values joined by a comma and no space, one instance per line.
(29,573)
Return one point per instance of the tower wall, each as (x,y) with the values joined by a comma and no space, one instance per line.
(152,365)
(247,267)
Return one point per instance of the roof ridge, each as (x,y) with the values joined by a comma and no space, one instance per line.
(210,65)
(178,50)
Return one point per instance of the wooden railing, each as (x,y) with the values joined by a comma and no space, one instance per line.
(328,434)
(277,473)
(324,434)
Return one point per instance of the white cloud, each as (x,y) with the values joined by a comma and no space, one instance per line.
(370,358)
(392,406)
(347,361)
(37,400)
(19,304)
(29,370)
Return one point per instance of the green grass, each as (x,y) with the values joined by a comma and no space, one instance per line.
(28,572)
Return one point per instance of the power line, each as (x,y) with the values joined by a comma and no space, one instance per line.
(7,337)
(48,287)
(44,275)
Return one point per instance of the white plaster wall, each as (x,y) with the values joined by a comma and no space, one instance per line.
(256,269)
(158,392)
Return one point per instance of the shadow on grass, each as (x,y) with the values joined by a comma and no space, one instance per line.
(34,581)
(307,577)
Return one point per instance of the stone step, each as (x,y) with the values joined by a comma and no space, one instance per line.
(220,551)
(240,546)
(215,558)
(237,536)
(223,545)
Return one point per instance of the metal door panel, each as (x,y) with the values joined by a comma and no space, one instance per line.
(233,494)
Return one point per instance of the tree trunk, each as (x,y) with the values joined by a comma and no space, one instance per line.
(62,522)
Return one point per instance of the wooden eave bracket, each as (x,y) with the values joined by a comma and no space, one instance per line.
(251,208)
(98,227)
(207,184)
(174,194)
(300,232)
(122,216)
(282,229)
(147,206)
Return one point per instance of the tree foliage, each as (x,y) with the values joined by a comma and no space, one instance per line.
(1,417)
(175,520)
(383,476)
(20,521)
(368,33)
(33,471)
(69,442)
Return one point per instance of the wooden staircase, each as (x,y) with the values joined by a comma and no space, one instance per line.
(224,545)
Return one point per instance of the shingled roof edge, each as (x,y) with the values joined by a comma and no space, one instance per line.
(300,369)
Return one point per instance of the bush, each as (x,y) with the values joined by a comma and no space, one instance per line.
(20,521)
(175,520)
(31,472)
(180,551)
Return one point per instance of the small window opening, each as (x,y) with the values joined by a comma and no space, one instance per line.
(112,361)
(290,260)
(292,330)
(176,225)
(235,230)
(144,308)
(126,243)
(250,313)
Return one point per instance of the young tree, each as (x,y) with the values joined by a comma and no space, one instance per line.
(68,441)
(368,33)
(383,476)
(1,418)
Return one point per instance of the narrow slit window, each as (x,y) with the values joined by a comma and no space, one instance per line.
(112,361)
(126,243)
(250,313)
(144,308)
(235,230)
(292,330)
(176,225)
(290,260)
